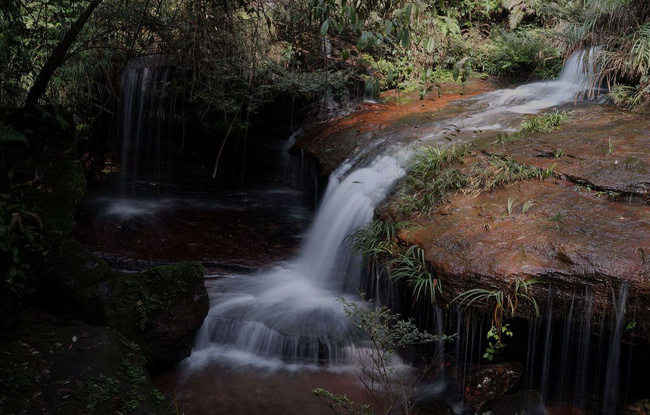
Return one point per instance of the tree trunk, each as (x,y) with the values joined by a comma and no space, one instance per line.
(58,56)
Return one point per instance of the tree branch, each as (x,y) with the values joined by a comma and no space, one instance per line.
(58,56)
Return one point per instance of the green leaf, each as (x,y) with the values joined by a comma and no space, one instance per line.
(430,45)
(325,27)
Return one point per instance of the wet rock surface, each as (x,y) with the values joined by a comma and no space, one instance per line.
(588,224)
(400,117)
(488,383)
(524,402)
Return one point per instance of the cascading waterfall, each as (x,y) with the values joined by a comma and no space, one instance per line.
(290,314)
(144,103)
(501,110)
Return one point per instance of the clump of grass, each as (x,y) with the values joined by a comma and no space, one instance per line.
(503,138)
(375,240)
(544,123)
(411,267)
(498,172)
(430,178)
(526,206)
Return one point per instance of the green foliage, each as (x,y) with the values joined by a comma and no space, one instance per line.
(521,52)
(9,133)
(430,178)
(503,304)
(341,403)
(620,31)
(375,241)
(495,341)
(21,246)
(97,391)
(411,267)
(544,123)
(498,172)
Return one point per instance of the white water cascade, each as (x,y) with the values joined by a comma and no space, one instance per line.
(501,110)
(290,314)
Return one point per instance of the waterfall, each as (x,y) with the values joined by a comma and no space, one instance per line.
(290,314)
(144,106)
(501,110)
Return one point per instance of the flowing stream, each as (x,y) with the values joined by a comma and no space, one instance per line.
(291,312)
(287,320)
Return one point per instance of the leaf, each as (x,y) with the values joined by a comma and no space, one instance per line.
(430,45)
(325,27)
(10,133)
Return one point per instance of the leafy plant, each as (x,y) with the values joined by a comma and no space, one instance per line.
(430,178)
(526,206)
(495,342)
(510,205)
(503,304)
(385,334)
(411,267)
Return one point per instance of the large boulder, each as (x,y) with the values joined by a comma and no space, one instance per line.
(160,309)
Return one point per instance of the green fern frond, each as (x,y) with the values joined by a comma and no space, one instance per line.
(9,133)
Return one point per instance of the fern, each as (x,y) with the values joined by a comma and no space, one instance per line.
(9,133)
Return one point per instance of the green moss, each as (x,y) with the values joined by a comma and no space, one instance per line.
(98,391)
(158,287)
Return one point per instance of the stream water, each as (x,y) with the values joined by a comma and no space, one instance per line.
(273,334)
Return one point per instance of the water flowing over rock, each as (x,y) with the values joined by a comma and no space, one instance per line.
(291,313)
(585,236)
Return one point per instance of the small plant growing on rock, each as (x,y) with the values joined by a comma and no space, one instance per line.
(526,206)
(411,267)
(385,333)
(544,123)
(503,304)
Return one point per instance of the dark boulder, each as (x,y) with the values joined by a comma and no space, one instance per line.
(487,383)
(159,309)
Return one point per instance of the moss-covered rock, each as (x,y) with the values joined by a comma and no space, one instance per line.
(71,285)
(160,309)
(72,368)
